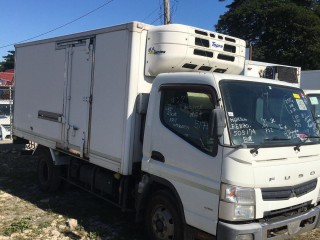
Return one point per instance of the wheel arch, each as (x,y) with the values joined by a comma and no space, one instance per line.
(57,157)
(40,149)
(155,184)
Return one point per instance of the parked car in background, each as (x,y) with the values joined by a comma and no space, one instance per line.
(5,118)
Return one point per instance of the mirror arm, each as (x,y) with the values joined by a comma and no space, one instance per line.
(231,146)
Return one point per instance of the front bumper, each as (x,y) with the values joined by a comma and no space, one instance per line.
(273,230)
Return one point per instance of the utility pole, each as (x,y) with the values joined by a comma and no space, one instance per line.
(166,4)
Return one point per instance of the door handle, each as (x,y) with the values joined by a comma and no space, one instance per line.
(157,156)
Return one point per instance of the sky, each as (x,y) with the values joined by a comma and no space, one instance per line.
(27,19)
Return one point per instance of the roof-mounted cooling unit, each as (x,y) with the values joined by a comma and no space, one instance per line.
(180,48)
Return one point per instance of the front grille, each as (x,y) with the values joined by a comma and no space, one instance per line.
(289,211)
(284,193)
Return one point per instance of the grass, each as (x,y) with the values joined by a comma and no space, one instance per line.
(43,225)
(92,235)
(97,219)
(19,226)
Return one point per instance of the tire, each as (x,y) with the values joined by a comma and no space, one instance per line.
(48,174)
(163,219)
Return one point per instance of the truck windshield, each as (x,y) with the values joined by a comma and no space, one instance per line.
(259,113)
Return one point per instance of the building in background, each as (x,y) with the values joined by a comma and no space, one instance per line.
(7,77)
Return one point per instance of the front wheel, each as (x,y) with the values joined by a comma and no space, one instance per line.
(163,220)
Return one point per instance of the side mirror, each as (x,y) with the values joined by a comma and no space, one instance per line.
(218,122)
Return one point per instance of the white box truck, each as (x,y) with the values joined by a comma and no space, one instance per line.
(158,119)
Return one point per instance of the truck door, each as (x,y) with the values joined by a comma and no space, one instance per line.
(182,151)
(78,95)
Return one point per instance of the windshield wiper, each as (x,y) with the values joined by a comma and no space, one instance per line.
(276,139)
(313,137)
(255,150)
(306,137)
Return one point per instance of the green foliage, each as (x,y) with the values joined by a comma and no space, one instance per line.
(19,226)
(280,31)
(44,225)
(8,62)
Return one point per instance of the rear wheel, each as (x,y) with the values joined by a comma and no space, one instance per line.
(48,174)
(163,220)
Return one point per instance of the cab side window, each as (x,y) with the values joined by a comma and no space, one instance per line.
(186,112)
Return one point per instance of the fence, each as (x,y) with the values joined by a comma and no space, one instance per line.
(6,112)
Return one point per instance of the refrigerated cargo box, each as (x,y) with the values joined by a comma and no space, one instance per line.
(55,105)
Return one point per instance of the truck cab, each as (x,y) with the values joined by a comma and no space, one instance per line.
(264,163)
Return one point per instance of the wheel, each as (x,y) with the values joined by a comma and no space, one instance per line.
(163,220)
(48,174)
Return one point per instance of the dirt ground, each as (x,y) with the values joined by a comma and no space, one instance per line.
(26,213)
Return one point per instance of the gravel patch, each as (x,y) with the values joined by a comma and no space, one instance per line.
(27,213)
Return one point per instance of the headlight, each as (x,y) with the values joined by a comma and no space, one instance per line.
(240,195)
(237,203)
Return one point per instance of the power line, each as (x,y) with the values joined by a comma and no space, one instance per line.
(158,18)
(149,14)
(160,14)
(161,11)
(66,24)
(174,9)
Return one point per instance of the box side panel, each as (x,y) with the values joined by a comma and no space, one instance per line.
(39,86)
(109,101)
(138,83)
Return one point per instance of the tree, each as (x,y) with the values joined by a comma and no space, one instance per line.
(8,62)
(280,31)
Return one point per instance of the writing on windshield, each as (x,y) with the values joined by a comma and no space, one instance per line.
(259,112)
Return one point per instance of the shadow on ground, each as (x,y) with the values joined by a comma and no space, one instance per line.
(94,216)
